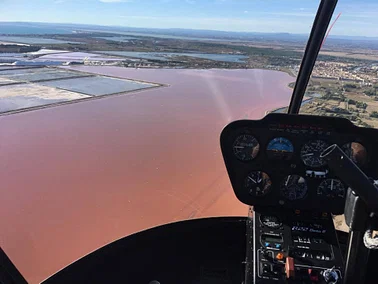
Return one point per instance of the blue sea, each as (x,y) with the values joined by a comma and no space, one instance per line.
(34,40)
(31,28)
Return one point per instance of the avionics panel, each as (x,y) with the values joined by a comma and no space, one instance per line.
(276,161)
(294,246)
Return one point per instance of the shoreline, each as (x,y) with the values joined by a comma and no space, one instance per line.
(305,100)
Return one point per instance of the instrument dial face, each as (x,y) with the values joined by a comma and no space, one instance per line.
(271,221)
(356,152)
(246,147)
(280,148)
(310,153)
(331,188)
(258,183)
(294,187)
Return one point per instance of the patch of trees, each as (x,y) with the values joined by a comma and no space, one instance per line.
(371,92)
(357,104)
(14,48)
(350,86)
(365,124)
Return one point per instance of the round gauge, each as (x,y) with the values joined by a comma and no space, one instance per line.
(310,153)
(246,147)
(356,152)
(294,187)
(270,221)
(258,183)
(280,148)
(331,188)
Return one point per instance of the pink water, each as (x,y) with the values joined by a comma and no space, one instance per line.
(76,177)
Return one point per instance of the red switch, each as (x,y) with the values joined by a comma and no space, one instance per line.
(314,275)
(290,272)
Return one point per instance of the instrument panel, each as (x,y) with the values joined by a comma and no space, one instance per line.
(276,161)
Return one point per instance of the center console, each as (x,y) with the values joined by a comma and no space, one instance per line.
(294,246)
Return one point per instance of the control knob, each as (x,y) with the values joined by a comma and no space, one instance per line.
(331,276)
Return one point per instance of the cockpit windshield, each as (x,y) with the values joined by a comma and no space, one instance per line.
(111,110)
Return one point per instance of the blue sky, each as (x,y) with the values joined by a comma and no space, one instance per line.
(359,17)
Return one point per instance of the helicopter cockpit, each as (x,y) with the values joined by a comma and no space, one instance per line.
(295,172)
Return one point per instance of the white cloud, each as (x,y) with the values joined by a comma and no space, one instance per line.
(246,12)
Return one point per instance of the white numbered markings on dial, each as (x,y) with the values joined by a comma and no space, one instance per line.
(293,187)
(246,147)
(331,188)
(258,183)
(310,153)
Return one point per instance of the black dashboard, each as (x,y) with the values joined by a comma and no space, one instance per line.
(276,161)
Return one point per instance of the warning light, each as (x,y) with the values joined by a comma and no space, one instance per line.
(280,256)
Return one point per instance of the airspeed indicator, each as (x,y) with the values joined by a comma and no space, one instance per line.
(246,147)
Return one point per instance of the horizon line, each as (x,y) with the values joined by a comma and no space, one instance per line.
(188,29)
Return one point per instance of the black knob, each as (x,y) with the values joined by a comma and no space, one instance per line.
(331,276)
